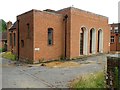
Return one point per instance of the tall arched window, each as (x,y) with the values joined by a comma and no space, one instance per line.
(100,41)
(83,41)
(50,36)
(92,41)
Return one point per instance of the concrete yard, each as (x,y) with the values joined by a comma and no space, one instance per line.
(36,76)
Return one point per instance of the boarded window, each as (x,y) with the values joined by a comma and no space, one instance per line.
(14,39)
(50,36)
(10,39)
(22,43)
(28,30)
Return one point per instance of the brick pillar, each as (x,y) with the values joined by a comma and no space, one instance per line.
(9,24)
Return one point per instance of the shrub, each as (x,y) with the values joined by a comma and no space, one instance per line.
(2,49)
(9,55)
(96,80)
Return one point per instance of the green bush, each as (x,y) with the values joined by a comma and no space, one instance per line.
(116,77)
(2,49)
(96,80)
(9,55)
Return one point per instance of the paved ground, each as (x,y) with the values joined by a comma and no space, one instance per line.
(14,76)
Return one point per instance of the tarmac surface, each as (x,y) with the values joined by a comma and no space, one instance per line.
(23,76)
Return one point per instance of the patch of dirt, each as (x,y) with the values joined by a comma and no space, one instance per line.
(62,64)
(59,64)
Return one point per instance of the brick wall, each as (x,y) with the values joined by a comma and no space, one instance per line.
(79,18)
(26,52)
(115,46)
(43,21)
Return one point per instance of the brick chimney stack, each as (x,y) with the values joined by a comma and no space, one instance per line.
(9,24)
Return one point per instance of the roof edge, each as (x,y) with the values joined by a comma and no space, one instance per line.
(83,11)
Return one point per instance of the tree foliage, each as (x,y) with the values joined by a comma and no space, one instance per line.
(3,26)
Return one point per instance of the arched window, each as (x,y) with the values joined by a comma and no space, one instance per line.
(100,41)
(83,41)
(50,36)
(92,41)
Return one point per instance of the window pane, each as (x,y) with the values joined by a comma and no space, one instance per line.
(50,36)
(116,27)
(116,30)
(112,39)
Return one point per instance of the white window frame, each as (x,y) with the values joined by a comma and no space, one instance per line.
(112,39)
(115,29)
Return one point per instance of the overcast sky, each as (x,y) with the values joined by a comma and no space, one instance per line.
(9,9)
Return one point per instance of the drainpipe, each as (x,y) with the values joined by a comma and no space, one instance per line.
(65,19)
(18,40)
(116,41)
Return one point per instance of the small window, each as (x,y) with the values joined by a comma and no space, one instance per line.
(116,30)
(28,30)
(112,39)
(119,39)
(50,36)
(111,30)
(22,43)
(10,39)
(14,39)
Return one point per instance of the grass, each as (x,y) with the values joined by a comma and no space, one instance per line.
(9,55)
(96,80)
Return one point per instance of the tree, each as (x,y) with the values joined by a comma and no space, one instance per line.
(3,26)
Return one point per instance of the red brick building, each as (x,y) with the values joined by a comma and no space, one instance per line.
(115,37)
(12,37)
(69,33)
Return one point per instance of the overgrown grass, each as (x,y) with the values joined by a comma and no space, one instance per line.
(9,55)
(96,80)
